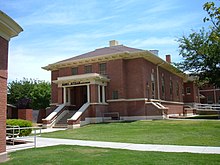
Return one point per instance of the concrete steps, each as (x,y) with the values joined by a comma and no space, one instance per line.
(62,123)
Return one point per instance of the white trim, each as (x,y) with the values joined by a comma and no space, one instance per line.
(209,90)
(145,99)
(8,27)
(57,110)
(164,101)
(81,79)
(98,103)
(135,99)
(80,112)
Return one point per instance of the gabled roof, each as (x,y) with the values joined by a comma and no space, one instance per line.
(104,51)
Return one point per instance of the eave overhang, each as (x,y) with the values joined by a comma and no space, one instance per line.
(124,55)
(8,27)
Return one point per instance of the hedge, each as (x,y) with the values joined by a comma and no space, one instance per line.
(20,123)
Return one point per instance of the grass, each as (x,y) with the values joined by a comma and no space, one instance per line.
(176,132)
(63,154)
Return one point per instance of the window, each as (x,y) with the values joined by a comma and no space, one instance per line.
(188,90)
(115,95)
(163,86)
(102,68)
(171,87)
(152,85)
(74,71)
(209,100)
(177,89)
(88,69)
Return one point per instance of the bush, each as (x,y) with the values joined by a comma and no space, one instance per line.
(20,123)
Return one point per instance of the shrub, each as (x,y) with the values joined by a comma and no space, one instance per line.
(20,123)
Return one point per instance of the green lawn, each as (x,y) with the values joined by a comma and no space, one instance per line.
(89,155)
(179,132)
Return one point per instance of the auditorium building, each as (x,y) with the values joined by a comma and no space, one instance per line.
(114,82)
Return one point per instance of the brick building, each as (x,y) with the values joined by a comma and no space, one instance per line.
(115,82)
(210,93)
(8,29)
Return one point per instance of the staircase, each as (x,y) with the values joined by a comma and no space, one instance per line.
(62,123)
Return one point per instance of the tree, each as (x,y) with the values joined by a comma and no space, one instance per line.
(39,92)
(201,50)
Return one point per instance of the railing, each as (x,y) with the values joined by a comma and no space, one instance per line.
(207,107)
(79,112)
(13,134)
(51,119)
(55,112)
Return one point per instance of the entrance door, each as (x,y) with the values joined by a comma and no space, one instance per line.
(78,96)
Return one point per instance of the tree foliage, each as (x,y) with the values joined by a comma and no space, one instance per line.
(201,50)
(39,92)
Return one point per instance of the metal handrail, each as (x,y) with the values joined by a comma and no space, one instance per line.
(15,136)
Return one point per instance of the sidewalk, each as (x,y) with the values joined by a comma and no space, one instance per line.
(44,142)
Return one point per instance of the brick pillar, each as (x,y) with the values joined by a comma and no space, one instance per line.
(9,28)
(93,93)
(3,96)
(25,114)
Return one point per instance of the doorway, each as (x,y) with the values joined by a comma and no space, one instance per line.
(78,96)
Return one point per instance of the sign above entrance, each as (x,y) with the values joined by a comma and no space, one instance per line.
(76,83)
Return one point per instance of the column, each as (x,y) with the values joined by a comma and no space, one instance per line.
(68,96)
(88,93)
(64,95)
(99,99)
(103,94)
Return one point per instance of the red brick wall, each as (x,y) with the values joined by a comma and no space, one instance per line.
(167,77)
(174,108)
(25,114)
(93,93)
(54,87)
(119,106)
(3,91)
(136,108)
(193,96)
(151,110)
(116,74)
(135,79)
(210,91)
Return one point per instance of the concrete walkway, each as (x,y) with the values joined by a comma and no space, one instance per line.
(44,142)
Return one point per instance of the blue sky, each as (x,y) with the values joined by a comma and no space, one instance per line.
(60,29)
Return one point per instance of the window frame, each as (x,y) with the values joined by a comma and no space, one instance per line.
(88,69)
(75,71)
(188,90)
(101,70)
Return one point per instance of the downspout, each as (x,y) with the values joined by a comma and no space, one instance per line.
(158,84)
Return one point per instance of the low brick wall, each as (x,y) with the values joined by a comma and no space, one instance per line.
(25,114)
